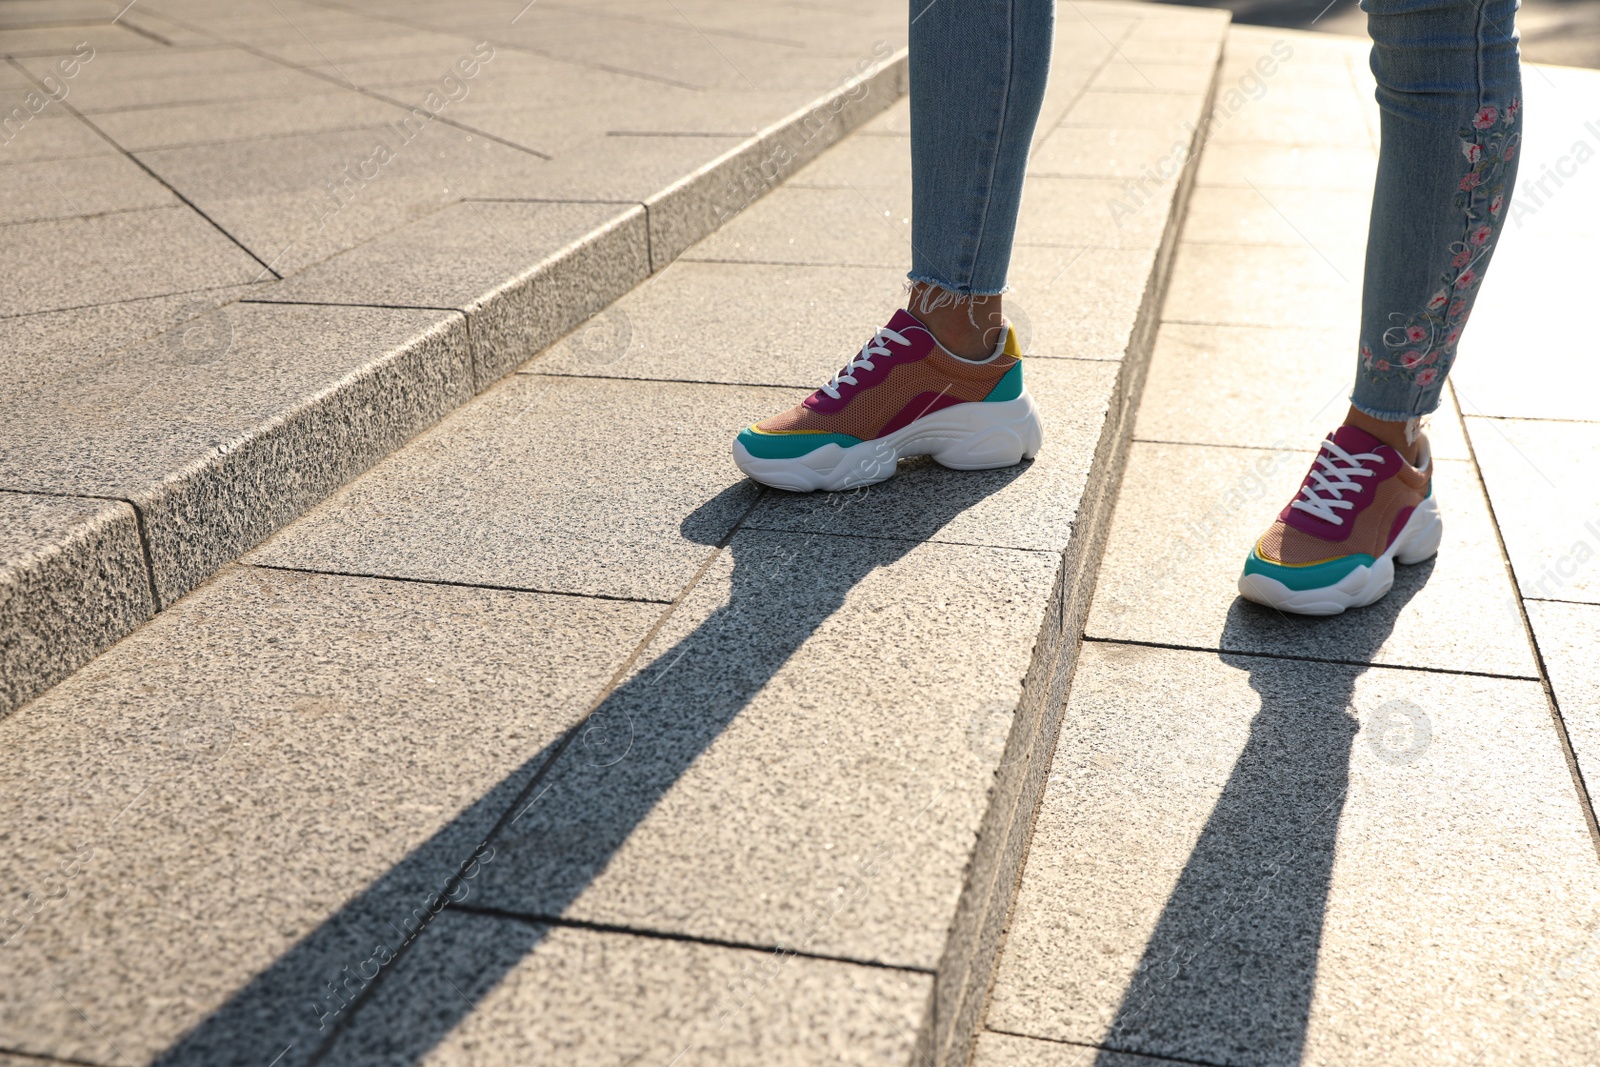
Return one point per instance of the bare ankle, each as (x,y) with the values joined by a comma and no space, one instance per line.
(1404,436)
(970,326)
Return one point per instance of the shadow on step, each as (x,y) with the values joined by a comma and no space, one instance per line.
(373,982)
(1229,972)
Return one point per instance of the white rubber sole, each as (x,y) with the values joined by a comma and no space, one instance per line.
(976,436)
(1362,586)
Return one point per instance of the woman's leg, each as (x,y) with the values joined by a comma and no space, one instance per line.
(1449,86)
(942,378)
(1449,90)
(978,73)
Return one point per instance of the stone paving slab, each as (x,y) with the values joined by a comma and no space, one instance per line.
(534,989)
(1188,515)
(1567,635)
(1330,222)
(1393,865)
(213,122)
(225,811)
(95,185)
(221,436)
(77,262)
(1245,285)
(1208,386)
(1541,480)
(524,273)
(36,349)
(743,770)
(55,550)
(500,494)
(693,322)
(53,134)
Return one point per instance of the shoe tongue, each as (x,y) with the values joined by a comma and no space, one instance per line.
(1354,439)
(919,339)
(903,320)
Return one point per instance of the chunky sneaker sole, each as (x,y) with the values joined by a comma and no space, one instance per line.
(902,395)
(968,437)
(1317,588)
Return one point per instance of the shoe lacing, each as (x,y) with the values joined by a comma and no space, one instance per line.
(862,360)
(1337,476)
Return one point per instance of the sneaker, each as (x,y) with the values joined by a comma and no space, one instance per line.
(1360,510)
(903,394)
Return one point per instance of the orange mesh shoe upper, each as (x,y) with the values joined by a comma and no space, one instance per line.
(1339,512)
(891,384)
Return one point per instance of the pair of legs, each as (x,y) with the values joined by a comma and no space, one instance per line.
(1449,92)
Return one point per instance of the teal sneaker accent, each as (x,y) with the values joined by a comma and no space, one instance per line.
(1313,576)
(1009,387)
(790,445)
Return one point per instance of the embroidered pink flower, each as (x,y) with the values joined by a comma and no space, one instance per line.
(1432,357)
(1470,181)
(1512,109)
(1479,234)
(1383,364)
(1461,258)
(1415,333)
(1440,299)
(1411,358)
(1458,308)
(1485,117)
(1466,278)
(1451,338)
(1472,151)
(1366,356)
(1509,153)
(1496,204)
(1427,376)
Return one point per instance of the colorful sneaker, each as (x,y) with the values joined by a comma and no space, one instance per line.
(902,395)
(1360,510)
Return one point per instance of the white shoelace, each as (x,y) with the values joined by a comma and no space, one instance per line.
(1336,477)
(862,360)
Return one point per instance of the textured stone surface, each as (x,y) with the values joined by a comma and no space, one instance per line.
(820,226)
(76,262)
(72,580)
(1310,863)
(1080,303)
(1009,1050)
(1092,211)
(1107,152)
(1207,387)
(214,122)
(1541,481)
(224,429)
(231,806)
(36,349)
(1348,168)
(1330,221)
(53,134)
(63,188)
(507,492)
(1033,505)
(1567,635)
(1246,285)
(786,801)
(696,322)
(529,993)
(297,199)
(524,274)
(1187,517)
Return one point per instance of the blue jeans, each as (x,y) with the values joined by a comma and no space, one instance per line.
(1449,90)
(978,71)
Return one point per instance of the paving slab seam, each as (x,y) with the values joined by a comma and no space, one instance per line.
(455,585)
(1258,654)
(667,935)
(1152,1056)
(685,216)
(136,161)
(34,1057)
(1568,753)
(521,803)
(955,1043)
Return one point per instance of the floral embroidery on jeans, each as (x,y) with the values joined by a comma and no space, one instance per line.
(1421,347)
